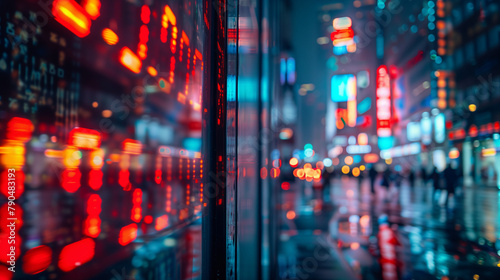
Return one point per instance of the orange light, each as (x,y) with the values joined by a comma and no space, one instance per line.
(76,254)
(348,160)
(161,222)
(152,71)
(96,158)
(37,259)
(488,152)
(300,173)
(320,165)
(92,7)
(454,154)
(362,139)
(355,172)
(53,153)
(291,215)
(84,138)
(345,169)
(170,15)
(131,146)
(127,234)
(109,37)
(130,60)
(371,158)
(355,246)
(294,162)
(364,221)
(275,172)
(72,16)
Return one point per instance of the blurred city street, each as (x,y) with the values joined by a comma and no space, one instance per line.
(341,238)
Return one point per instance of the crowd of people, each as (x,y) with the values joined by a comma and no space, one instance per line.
(444,182)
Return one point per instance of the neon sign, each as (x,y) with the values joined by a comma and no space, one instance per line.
(383,103)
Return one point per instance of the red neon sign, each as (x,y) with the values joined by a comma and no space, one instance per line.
(383,102)
(85,138)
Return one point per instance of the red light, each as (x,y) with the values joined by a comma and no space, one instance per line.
(275,172)
(263,173)
(76,254)
(285,186)
(161,222)
(71,180)
(19,129)
(341,35)
(136,214)
(19,183)
(37,259)
(371,158)
(95,179)
(145,14)
(290,215)
(130,60)
(127,234)
(124,179)
(158,174)
(148,219)
(72,16)
(92,7)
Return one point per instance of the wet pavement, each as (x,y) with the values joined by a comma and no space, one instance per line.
(339,233)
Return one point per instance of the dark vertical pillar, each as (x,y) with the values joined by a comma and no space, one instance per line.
(214,134)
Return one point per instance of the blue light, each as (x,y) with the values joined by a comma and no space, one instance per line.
(327,162)
(430,4)
(356,159)
(431,38)
(192,144)
(414,28)
(290,71)
(431,26)
(283,71)
(364,105)
(331,63)
(381,5)
(431,18)
(308,146)
(438,60)
(339,50)
(343,88)
(308,153)
(385,143)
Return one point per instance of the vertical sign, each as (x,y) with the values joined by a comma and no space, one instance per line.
(383,103)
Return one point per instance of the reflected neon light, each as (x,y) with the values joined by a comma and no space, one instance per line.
(72,16)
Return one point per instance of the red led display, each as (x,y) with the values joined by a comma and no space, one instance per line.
(76,254)
(37,259)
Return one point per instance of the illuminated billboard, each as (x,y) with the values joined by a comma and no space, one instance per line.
(343,88)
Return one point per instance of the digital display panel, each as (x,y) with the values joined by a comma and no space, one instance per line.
(100,115)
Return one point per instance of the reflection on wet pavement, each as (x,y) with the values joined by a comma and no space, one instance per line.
(399,233)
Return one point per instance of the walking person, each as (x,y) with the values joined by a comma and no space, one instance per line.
(436,183)
(386,181)
(411,178)
(450,176)
(423,176)
(373,176)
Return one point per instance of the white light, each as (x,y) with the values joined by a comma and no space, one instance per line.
(327,162)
